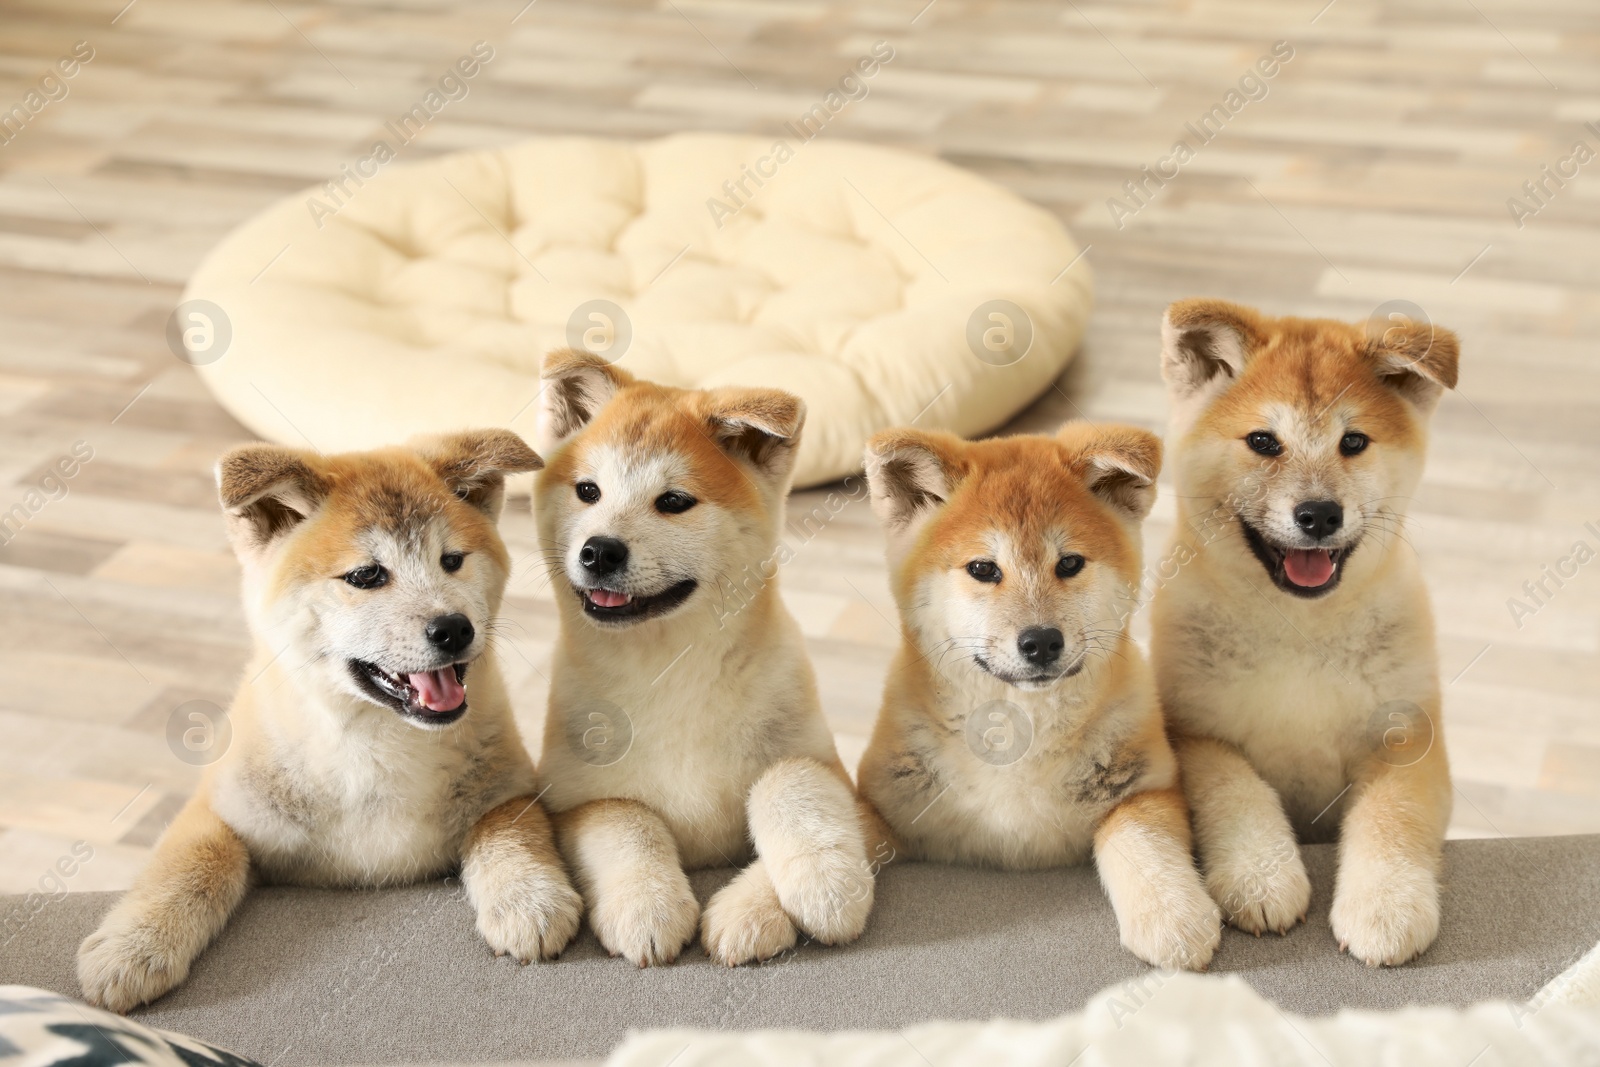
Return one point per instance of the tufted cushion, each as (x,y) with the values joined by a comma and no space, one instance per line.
(857,277)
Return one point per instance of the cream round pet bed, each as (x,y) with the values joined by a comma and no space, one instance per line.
(882,287)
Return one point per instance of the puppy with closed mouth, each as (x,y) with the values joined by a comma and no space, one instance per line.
(684,729)
(1293,641)
(372,740)
(1020,727)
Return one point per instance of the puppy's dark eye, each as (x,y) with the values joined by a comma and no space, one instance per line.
(451,561)
(1263,442)
(369,577)
(588,492)
(1069,565)
(1352,444)
(984,570)
(675,503)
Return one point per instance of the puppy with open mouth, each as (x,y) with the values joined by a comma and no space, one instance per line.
(684,729)
(1292,636)
(372,741)
(1020,727)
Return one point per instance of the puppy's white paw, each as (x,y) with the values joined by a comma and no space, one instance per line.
(532,917)
(807,830)
(1178,928)
(1265,890)
(649,920)
(125,963)
(827,893)
(1385,914)
(745,921)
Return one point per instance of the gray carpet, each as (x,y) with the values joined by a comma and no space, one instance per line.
(312,976)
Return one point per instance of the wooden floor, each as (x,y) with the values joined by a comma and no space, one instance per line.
(1377,166)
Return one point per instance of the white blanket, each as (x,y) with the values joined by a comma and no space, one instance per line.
(1183,1018)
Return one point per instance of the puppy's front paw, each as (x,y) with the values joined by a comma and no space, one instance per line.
(746,922)
(531,918)
(649,920)
(828,894)
(1261,890)
(1385,914)
(124,964)
(1176,928)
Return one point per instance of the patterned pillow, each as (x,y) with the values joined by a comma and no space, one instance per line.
(43,1029)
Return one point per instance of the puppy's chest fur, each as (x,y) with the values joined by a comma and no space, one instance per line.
(379,803)
(698,735)
(950,805)
(1302,693)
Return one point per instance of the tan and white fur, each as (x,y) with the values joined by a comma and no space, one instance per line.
(372,741)
(1020,727)
(1293,640)
(684,729)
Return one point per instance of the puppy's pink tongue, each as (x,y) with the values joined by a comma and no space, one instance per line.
(438,690)
(605,598)
(1308,567)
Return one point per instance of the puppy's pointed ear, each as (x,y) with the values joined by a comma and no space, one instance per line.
(577,385)
(1417,359)
(266,491)
(910,474)
(1119,464)
(759,426)
(1203,341)
(474,464)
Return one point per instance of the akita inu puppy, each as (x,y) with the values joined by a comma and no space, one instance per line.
(1293,642)
(683,726)
(1020,727)
(372,740)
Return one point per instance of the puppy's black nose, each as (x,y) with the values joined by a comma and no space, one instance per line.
(1319,518)
(450,633)
(1040,645)
(603,555)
